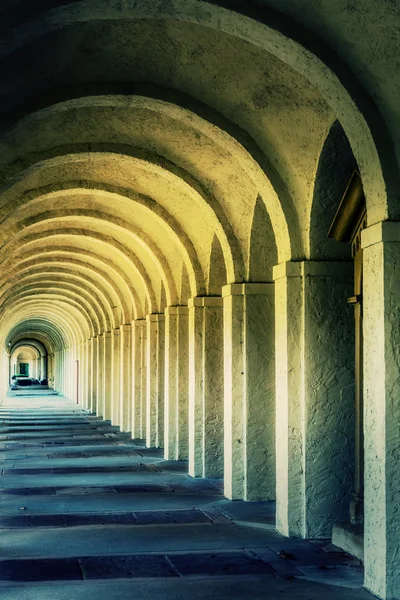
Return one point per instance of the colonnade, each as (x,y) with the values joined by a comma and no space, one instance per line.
(259,381)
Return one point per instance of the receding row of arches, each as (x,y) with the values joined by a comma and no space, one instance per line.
(169,175)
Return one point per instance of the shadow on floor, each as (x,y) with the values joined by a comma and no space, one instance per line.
(86,512)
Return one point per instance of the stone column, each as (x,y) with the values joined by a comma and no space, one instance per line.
(160,406)
(81,371)
(107,379)
(381,319)
(115,375)
(249,401)
(137,331)
(206,387)
(100,375)
(143,381)
(93,401)
(43,371)
(314,396)
(154,323)
(176,390)
(125,390)
(86,375)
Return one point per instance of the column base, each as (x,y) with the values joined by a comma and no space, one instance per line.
(350,538)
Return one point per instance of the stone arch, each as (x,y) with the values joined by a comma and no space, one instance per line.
(306,53)
(217,275)
(335,167)
(263,255)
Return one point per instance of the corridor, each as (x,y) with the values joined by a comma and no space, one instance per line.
(86,512)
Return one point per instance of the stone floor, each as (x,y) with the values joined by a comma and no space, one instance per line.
(88,513)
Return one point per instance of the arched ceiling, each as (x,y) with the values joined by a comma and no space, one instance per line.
(139,140)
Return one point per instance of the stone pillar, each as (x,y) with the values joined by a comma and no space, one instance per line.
(43,370)
(314,396)
(143,381)
(81,368)
(249,400)
(176,390)
(137,334)
(154,403)
(107,379)
(89,373)
(125,390)
(85,374)
(381,319)
(100,375)
(206,387)
(160,406)
(115,375)
(93,401)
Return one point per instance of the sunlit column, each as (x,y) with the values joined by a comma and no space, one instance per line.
(107,379)
(143,381)
(79,366)
(89,372)
(249,441)
(84,374)
(176,392)
(100,375)
(43,367)
(125,390)
(137,329)
(206,387)
(381,302)
(154,403)
(160,405)
(115,376)
(68,373)
(314,396)
(94,374)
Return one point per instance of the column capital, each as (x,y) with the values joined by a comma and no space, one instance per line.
(176,310)
(107,334)
(125,327)
(386,231)
(247,289)
(139,323)
(203,301)
(155,317)
(115,331)
(314,268)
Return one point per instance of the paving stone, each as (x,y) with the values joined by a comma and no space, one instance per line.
(105,519)
(127,469)
(218,563)
(31,521)
(301,553)
(114,567)
(174,465)
(83,490)
(17,446)
(33,471)
(76,470)
(173,516)
(142,488)
(40,570)
(339,575)
(34,491)
(68,455)
(281,567)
